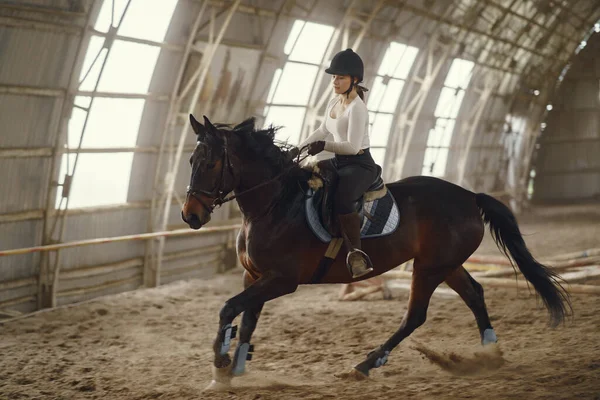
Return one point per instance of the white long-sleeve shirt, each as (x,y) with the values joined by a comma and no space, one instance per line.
(350,130)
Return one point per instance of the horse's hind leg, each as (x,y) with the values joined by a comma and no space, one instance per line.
(422,287)
(244,349)
(472,294)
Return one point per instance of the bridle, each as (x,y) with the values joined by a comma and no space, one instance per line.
(218,193)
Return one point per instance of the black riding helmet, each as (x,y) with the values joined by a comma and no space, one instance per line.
(347,62)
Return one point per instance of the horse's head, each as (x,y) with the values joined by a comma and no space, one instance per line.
(213,175)
(240,158)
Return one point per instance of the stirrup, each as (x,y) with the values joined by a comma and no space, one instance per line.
(365,257)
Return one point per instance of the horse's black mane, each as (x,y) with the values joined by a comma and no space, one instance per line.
(261,143)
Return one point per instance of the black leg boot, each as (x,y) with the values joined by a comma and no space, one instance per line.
(357,261)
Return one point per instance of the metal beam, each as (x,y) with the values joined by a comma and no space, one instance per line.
(41,26)
(233,43)
(45,152)
(588,170)
(29,215)
(26,152)
(21,90)
(35,8)
(113,95)
(162,45)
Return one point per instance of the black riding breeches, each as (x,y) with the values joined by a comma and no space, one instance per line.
(356,174)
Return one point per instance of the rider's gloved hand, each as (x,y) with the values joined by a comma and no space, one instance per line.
(293,152)
(316,147)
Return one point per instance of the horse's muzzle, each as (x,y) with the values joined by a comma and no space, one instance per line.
(192,220)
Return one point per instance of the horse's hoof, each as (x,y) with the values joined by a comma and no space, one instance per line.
(357,375)
(387,294)
(221,379)
(215,386)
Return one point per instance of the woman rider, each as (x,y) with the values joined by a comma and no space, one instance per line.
(347,119)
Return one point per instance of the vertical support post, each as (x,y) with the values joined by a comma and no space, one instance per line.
(470,126)
(198,79)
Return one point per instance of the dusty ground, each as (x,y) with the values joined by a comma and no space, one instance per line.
(155,344)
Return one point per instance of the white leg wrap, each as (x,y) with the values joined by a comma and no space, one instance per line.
(489,337)
(239,360)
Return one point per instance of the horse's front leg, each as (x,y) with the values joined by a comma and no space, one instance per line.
(244,349)
(268,287)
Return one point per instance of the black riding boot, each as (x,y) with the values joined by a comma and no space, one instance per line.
(357,261)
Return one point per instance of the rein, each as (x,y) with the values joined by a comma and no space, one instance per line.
(219,197)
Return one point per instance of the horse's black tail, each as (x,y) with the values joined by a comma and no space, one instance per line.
(506,234)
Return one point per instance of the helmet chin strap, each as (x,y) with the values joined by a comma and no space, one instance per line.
(347,92)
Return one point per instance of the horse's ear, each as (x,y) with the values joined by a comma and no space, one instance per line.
(199,129)
(212,133)
(209,126)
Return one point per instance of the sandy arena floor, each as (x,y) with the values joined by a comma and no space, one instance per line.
(156,343)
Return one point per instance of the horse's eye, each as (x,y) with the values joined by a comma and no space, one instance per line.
(210,165)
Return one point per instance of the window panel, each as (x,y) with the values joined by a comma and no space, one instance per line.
(372,115)
(439,167)
(82,101)
(104,18)
(391,59)
(446,111)
(428,160)
(378,156)
(435,137)
(434,163)
(376,94)
(398,60)
(457,103)
(148,19)
(406,63)
(293,36)
(447,129)
(274,84)
(94,46)
(449,103)
(112,123)
(459,74)
(396,64)
(289,119)
(441,135)
(391,96)
(100,179)
(380,130)
(311,43)
(129,68)
(295,84)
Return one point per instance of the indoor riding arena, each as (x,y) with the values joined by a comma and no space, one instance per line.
(167,233)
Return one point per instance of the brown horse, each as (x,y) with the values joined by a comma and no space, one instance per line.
(440,227)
